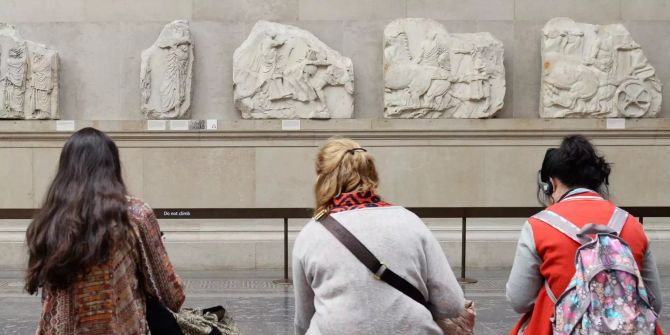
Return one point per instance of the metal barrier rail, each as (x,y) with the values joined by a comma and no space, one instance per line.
(303,213)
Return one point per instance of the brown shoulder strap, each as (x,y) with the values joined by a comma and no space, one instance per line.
(378,268)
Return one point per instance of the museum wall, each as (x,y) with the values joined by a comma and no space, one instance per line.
(100,43)
(440,163)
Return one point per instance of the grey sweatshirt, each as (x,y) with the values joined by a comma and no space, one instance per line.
(336,294)
(525,280)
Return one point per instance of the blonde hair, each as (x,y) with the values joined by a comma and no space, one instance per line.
(341,169)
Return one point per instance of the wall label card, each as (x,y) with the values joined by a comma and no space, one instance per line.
(155,125)
(212,125)
(178,124)
(65,125)
(617,123)
(291,125)
(197,124)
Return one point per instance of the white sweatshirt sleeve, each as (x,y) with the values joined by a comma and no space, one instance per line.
(445,294)
(525,279)
(304,296)
(652,279)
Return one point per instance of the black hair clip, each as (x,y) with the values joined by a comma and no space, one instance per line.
(352,151)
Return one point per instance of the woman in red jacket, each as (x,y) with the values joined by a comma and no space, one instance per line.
(573,182)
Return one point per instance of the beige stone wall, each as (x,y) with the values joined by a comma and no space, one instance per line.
(254,164)
(100,42)
(422,162)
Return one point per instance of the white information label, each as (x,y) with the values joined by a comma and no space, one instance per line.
(290,125)
(65,125)
(156,125)
(212,124)
(178,124)
(616,123)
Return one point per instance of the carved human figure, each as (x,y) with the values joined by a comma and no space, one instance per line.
(429,73)
(28,77)
(173,87)
(281,71)
(41,83)
(13,82)
(166,72)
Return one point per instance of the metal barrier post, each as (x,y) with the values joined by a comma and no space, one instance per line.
(463,279)
(285,280)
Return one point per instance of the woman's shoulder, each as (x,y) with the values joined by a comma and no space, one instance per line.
(388,214)
(389,217)
(392,210)
(138,210)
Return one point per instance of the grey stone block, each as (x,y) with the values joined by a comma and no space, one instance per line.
(294,171)
(363,43)
(22,11)
(329,32)
(168,169)
(351,9)
(461,10)
(652,37)
(460,26)
(15,170)
(644,10)
(90,86)
(134,10)
(591,11)
(245,11)
(213,69)
(526,49)
(211,255)
(504,31)
(47,160)
(134,36)
(526,100)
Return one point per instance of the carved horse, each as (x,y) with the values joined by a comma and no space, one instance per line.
(400,72)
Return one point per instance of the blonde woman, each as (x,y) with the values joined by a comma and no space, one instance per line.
(335,293)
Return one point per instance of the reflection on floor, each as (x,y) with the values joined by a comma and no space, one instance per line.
(261,307)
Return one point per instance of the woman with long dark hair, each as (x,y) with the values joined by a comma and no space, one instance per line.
(573,184)
(95,252)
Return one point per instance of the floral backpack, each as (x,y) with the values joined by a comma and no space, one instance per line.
(607,293)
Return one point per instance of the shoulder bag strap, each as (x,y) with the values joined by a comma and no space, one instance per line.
(378,268)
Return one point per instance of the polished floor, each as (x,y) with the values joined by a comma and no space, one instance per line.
(261,307)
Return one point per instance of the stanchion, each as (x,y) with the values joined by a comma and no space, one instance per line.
(463,279)
(285,280)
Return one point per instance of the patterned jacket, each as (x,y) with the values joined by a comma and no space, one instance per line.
(110,298)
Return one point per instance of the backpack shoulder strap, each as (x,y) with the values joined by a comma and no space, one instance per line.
(365,256)
(551,295)
(618,220)
(561,224)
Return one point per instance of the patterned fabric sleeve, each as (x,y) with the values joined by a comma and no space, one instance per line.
(160,280)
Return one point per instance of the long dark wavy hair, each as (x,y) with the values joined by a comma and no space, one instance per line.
(83,216)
